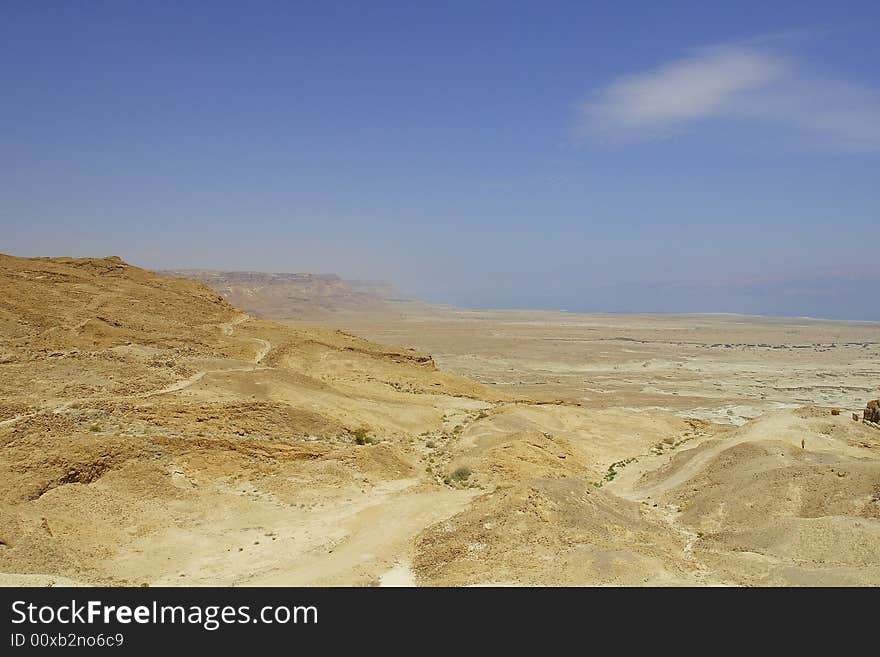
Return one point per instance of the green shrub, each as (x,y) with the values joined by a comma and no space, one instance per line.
(612,469)
(461,474)
(361,436)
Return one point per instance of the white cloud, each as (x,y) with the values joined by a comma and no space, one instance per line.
(830,113)
(738,83)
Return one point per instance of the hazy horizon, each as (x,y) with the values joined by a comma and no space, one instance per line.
(601,158)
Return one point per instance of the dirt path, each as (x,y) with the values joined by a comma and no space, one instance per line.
(260,541)
(265,348)
(179,385)
(227,329)
(378,539)
(777,427)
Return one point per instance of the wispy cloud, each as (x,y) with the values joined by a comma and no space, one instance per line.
(746,83)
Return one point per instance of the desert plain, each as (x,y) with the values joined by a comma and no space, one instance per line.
(160,430)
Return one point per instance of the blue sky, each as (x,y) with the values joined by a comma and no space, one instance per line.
(662,157)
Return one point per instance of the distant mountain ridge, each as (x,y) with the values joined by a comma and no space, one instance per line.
(291,296)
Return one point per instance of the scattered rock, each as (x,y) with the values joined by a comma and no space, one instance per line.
(872,411)
(835,411)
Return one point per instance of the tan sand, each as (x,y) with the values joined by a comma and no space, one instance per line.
(152,433)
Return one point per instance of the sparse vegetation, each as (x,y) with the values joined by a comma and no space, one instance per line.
(612,470)
(461,474)
(671,443)
(298,445)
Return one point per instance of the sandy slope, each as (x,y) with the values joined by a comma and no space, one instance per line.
(151,433)
(149,430)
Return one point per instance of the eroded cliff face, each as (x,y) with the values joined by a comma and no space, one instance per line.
(300,297)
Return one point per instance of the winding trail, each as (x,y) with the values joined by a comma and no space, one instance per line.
(377,536)
(12,420)
(227,329)
(265,348)
(701,452)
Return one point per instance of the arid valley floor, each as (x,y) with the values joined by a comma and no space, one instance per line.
(151,432)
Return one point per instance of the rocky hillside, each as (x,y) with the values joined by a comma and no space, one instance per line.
(118,385)
(152,433)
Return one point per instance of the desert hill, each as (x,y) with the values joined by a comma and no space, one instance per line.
(152,433)
(705,505)
(119,385)
(298,297)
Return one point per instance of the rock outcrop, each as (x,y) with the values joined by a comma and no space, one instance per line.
(872,411)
